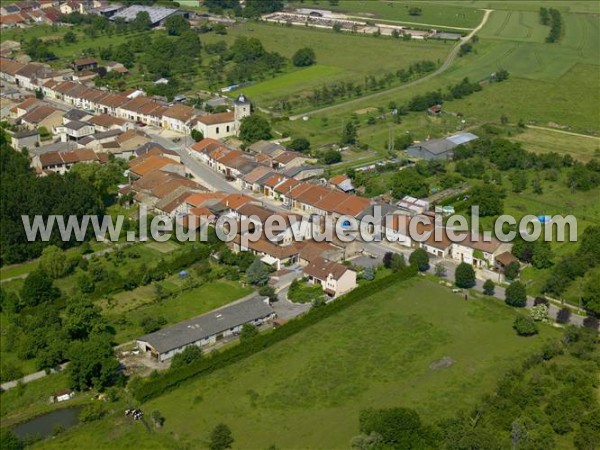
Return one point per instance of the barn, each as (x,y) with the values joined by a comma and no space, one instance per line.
(207,329)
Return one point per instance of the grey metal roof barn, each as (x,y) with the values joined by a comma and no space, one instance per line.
(439,148)
(157,13)
(207,325)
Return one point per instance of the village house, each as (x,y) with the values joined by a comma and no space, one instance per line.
(24,107)
(76,115)
(42,116)
(25,139)
(74,130)
(27,76)
(132,139)
(145,164)
(61,162)
(477,252)
(117,67)
(9,69)
(335,278)
(105,141)
(208,329)
(303,172)
(178,118)
(342,182)
(104,122)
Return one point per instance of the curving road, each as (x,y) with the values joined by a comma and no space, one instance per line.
(445,66)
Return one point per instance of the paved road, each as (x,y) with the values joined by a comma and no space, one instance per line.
(445,66)
(29,378)
(204,174)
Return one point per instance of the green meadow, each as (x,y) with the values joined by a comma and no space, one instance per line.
(340,56)
(550,85)
(307,391)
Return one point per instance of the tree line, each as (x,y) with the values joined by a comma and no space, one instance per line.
(553,18)
(334,91)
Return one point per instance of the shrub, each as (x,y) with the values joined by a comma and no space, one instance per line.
(304,57)
(488,287)
(516,295)
(464,277)
(539,313)
(563,315)
(525,325)
(420,258)
(591,322)
(189,355)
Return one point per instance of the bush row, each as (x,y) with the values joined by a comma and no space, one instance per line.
(170,379)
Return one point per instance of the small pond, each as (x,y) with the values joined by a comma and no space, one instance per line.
(42,427)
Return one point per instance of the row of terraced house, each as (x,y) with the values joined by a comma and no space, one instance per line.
(132,105)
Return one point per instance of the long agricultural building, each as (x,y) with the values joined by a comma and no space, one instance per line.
(207,329)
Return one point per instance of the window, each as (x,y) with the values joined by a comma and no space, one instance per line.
(228,128)
(217,130)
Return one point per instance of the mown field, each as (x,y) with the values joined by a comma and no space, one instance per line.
(344,56)
(307,392)
(582,148)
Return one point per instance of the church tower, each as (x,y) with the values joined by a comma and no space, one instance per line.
(241,108)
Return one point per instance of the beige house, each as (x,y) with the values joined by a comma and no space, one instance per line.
(335,278)
(42,116)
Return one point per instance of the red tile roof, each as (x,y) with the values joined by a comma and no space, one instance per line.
(214,119)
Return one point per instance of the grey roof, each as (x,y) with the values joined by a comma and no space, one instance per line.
(266,147)
(76,125)
(145,148)
(11,9)
(444,145)
(437,146)
(25,133)
(214,322)
(156,13)
(293,171)
(56,147)
(384,210)
(241,100)
(75,114)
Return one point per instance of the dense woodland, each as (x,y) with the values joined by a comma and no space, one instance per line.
(23,193)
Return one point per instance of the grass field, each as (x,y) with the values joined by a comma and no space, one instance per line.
(175,309)
(549,85)
(546,141)
(307,392)
(300,80)
(368,56)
